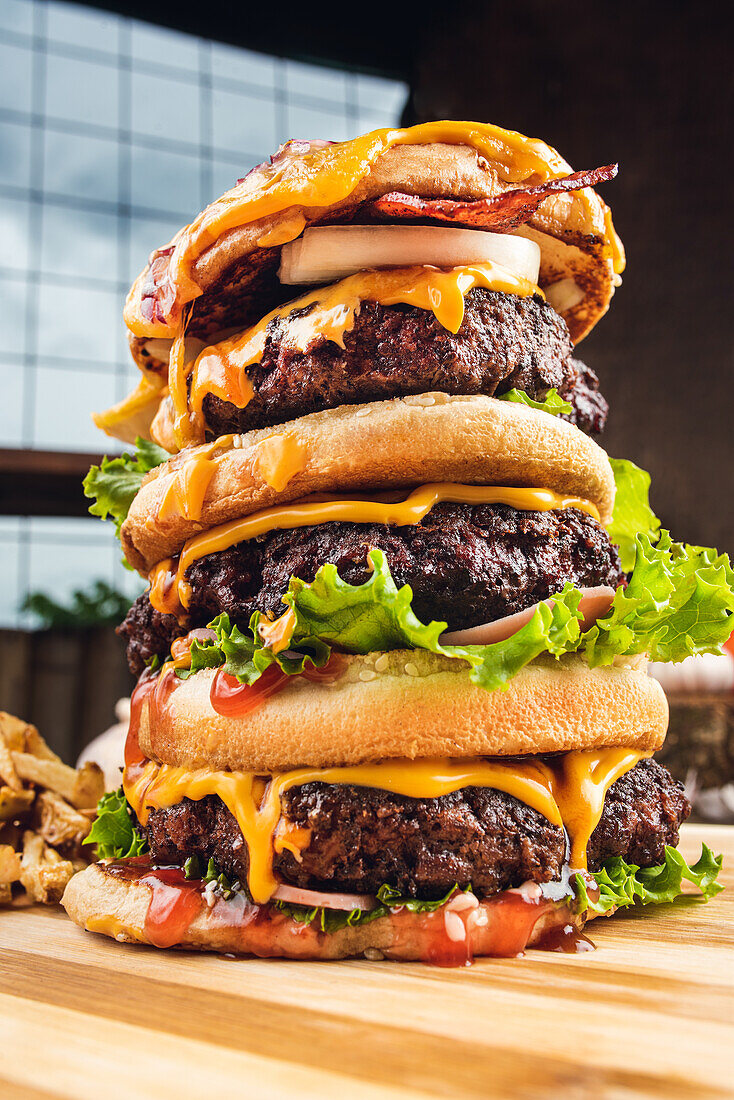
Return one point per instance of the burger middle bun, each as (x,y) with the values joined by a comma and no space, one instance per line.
(403,442)
(410,704)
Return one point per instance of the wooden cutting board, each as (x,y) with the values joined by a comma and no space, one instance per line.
(649,1014)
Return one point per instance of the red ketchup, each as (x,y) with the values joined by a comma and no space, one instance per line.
(566,938)
(156,690)
(174,901)
(134,758)
(232,699)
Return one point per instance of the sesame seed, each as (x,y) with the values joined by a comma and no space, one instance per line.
(364,411)
(455,929)
(382,662)
(411,669)
(463,901)
(373,954)
(367,674)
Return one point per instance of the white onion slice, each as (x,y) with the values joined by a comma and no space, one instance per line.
(327,253)
(595,602)
(312,898)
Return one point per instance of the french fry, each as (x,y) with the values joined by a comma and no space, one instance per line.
(44,874)
(14,731)
(88,787)
(9,865)
(13,803)
(35,745)
(44,805)
(8,773)
(58,822)
(82,788)
(46,773)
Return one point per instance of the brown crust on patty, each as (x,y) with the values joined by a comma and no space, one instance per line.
(387,444)
(505,341)
(466,564)
(420,705)
(354,839)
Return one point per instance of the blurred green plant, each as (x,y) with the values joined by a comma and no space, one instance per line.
(98,605)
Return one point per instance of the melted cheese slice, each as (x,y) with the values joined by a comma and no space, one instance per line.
(568,791)
(327,313)
(167,579)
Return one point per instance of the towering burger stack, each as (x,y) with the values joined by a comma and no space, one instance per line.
(393,694)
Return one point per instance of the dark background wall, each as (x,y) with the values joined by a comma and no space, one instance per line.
(650,86)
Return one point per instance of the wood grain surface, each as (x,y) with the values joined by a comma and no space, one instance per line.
(649,1014)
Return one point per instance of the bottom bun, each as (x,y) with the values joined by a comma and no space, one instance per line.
(101,901)
(409,704)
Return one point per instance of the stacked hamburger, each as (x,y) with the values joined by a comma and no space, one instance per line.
(392,691)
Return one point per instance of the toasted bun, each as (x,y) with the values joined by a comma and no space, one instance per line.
(402,442)
(102,902)
(219,262)
(420,705)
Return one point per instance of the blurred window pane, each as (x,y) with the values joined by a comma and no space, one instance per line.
(114,133)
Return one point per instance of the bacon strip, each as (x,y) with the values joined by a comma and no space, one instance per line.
(505,211)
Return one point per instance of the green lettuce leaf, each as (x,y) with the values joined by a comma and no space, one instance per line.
(622,884)
(377,615)
(373,616)
(114,484)
(679,601)
(632,512)
(113,830)
(243,655)
(226,887)
(552,403)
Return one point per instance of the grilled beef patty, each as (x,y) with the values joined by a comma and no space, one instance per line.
(504,342)
(361,837)
(466,564)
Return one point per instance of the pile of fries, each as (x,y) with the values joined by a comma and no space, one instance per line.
(46,811)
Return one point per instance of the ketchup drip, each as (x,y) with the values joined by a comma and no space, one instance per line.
(232,699)
(156,690)
(174,901)
(566,938)
(134,757)
(514,918)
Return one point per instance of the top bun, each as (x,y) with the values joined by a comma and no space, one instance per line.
(226,260)
(399,443)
